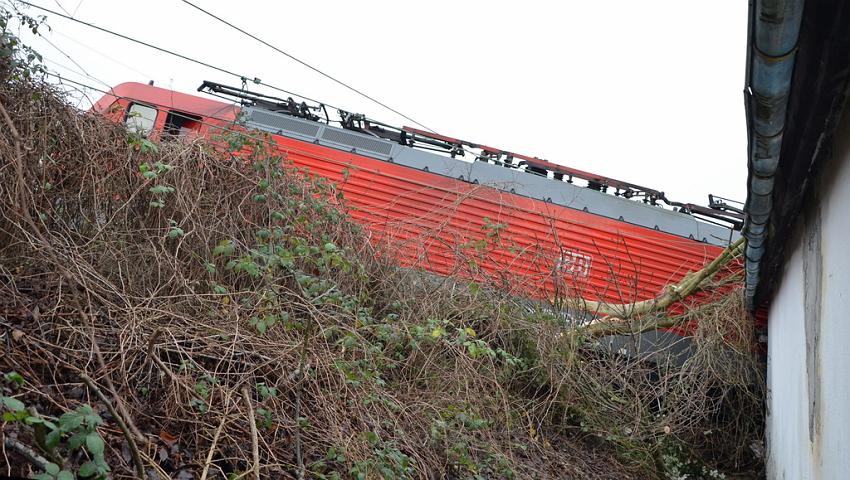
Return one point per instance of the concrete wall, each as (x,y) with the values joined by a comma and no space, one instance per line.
(808,422)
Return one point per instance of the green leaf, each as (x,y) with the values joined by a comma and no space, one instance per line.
(158,189)
(85,409)
(77,440)
(148,147)
(51,468)
(93,419)
(372,438)
(13,404)
(266,391)
(52,439)
(224,247)
(87,469)
(31,420)
(13,416)
(14,377)
(175,232)
(102,466)
(163,167)
(94,444)
(70,421)
(65,475)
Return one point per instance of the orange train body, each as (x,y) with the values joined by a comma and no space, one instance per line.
(445,223)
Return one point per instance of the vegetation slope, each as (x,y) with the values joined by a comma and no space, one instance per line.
(177,310)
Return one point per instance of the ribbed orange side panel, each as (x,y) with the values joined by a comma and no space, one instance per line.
(448,226)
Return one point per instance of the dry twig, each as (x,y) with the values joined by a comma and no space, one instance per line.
(131,442)
(255,443)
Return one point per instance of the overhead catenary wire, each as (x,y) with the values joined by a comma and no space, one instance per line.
(84,94)
(67,56)
(102,54)
(474,154)
(77,8)
(82,73)
(304,63)
(181,115)
(246,78)
(61,7)
(234,122)
(464,148)
(228,121)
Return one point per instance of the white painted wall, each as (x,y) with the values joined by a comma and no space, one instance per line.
(808,423)
(787,426)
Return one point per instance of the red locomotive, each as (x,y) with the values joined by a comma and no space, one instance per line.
(545,228)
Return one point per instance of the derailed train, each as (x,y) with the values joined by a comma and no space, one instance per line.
(547,229)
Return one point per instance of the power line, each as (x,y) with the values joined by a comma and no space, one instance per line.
(227,121)
(112,59)
(66,55)
(83,95)
(219,69)
(172,53)
(60,6)
(112,92)
(209,124)
(77,8)
(302,62)
(82,73)
(140,42)
(288,149)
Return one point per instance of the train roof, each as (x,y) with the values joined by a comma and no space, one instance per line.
(426,151)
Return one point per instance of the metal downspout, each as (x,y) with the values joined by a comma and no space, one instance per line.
(773,46)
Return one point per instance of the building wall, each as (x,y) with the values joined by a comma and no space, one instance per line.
(808,422)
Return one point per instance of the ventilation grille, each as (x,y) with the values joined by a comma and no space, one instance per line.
(359,142)
(283,124)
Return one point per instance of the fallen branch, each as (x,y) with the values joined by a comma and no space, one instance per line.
(114,392)
(217,434)
(255,443)
(159,363)
(134,450)
(29,454)
(633,317)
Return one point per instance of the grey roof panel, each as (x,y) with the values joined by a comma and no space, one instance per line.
(511,180)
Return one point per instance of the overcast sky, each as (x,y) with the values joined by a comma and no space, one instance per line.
(647,92)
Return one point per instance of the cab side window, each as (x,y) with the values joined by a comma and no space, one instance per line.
(181,124)
(141,118)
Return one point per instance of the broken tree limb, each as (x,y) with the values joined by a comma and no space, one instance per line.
(28,453)
(630,318)
(131,442)
(255,444)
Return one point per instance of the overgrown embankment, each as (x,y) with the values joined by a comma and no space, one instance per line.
(175,309)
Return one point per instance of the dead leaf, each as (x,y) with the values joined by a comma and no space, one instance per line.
(17,335)
(167,438)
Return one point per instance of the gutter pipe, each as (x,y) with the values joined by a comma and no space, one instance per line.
(775,29)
